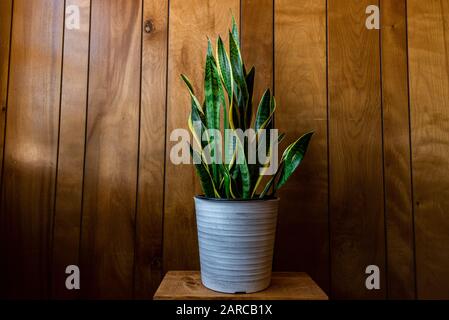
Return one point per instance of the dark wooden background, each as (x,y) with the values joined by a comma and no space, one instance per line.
(86,117)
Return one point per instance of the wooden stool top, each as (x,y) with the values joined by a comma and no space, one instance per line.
(186,285)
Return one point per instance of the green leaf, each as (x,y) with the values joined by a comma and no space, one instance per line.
(273,109)
(281,138)
(209,48)
(228,184)
(214,95)
(225,69)
(263,117)
(250,85)
(259,175)
(235,175)
(206,181)
(234,114)
(230,149)
(214,100)
(271,181)
(196,117)
(292,157)
(263,110)
(241,89)
(267,187)
(266,123)
(225,72)
(235,31)
(195,101)
(244,172)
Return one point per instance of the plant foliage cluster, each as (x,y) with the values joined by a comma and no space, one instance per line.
(228,104)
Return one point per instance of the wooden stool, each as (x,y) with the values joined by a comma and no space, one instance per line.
(186,285)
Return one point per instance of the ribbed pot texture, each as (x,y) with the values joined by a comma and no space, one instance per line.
(236,242)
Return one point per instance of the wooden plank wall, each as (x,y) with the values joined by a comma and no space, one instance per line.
(69,186)
(301,91)
(5,34)
(149,218)
(429,107)
(5,42)
(357,235)
(397,164)
(31,147)
(85,141)
(110,167)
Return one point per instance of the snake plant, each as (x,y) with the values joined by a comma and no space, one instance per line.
(228,96)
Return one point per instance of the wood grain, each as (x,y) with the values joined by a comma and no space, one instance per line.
(396,135)
(5,34)
(31,147)
(110,178)
(124,212)
(190,23)
(186,285)
(355,146)
(257,43)
(66,230)
(302,242)
(148,260)
(428,29)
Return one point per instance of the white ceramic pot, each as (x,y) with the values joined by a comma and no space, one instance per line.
(236,242)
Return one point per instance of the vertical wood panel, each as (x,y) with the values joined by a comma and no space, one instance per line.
(398,190)
(355,146)
(148,261)
(31,147)
(5,33)
(110,176)
(71,150)
(257,43)
(190,23)
(428,26)
(300,64)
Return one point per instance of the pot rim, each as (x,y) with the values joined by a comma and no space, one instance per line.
(203,197)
